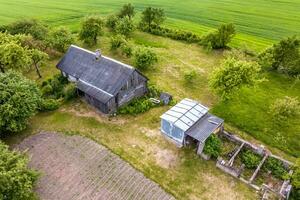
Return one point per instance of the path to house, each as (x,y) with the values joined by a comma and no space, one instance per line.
(74,167)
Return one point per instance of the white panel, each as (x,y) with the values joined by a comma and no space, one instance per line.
(187,120)
(174,114)
(168,118)
(181,125)
(178,109)
(192,117)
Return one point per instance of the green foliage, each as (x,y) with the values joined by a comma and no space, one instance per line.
(250,159)
(153,91)
(126,49)
(91,28)
(136,106)
(220,38)
(190,76)
(16,180)
(284,56)
(111,22)
(295,179)
(152,16)
(54,87)
(232,75)
(117,41)
(213,146)
(172,33)
(127,11)
(38,58)
(19,100)
(13,56)
(283,109)
(276,167)
(60,39)
(144,58)
(49,105)
(125,26)
(32,27)
(70,91)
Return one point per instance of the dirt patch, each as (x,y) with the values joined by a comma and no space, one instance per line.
(150,132)
(74,167)
(165,157)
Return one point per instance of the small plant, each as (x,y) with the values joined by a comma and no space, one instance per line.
(70,91)
(144,58)
(117,41)
(250,159)
(137,106)
(190,76)
(276,167)
(126,50)
(49,105)
(213,146)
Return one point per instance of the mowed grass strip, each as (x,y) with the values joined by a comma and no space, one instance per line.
(259,23)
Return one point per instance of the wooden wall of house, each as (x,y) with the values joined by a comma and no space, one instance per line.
(136,86)
(106,108)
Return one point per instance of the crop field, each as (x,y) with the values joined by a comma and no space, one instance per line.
(259,22)
(74,167)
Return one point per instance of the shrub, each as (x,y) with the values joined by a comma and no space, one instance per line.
(190,76)
(17,181)
(70,91)
(144,58)
(111,22)
(153,91)
(276,167)
(53,87)
(250,159)
(124,26)
(126,50)
(127,11)
(136,106)
(116,41)
(282,109)
(60,39)
(91,28)
(213,146)
(49,105)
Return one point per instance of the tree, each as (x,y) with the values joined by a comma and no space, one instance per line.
(125,26)
(232,75)
(33,27)
(144,58)
(60,39)
(282,109)
(220,38)
(127,11)
(38,58)
(19,100)
(152,16)
(111,21)
(13,56)
(16,180)
(91,28)
(284,56)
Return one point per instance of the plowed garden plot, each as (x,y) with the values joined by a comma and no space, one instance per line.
(74,167)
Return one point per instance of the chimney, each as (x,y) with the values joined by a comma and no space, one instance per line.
(98,54)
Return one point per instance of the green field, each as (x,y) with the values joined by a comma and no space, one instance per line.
(259,22)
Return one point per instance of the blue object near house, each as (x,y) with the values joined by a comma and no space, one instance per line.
(189,119)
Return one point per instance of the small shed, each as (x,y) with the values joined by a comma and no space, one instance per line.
(190,119)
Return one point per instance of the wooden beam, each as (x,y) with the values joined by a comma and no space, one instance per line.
(258,168)
(230,162)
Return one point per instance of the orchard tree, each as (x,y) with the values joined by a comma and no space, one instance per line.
(127,11)
(284,56)
(92,27)
(152,16)
(60,39)
(16,179)
(19,99)
(232,75)
(13,56)
(125,26)
(144,58)
(111,21)
(38,58)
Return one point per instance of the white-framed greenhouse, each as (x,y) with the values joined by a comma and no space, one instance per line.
(189,118)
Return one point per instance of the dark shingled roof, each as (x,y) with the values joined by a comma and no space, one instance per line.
(204,127)
(103,77)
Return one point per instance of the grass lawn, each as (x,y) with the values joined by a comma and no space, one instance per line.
(259,22)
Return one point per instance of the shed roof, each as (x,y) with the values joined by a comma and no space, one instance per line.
(204,127)
(185,114)
(103,75)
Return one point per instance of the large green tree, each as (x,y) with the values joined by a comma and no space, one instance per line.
(152,16)
(284,56)
(16,180)
(127,11)
(232,75)
(19,100)
(91,28)
(61,38)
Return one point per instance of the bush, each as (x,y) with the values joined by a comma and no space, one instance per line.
(250,159)
(144,58)
(116,41)
(49,105)
(16,180)
(276,167)
(124,26)
(190,76)
(70,91)
(60,39)
(111,22)
(153,91)
(53,87)
(126,50)
(282,109)
(136,106)
(213,146)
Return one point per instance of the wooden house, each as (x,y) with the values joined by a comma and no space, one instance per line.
(104,82)
(190,120)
